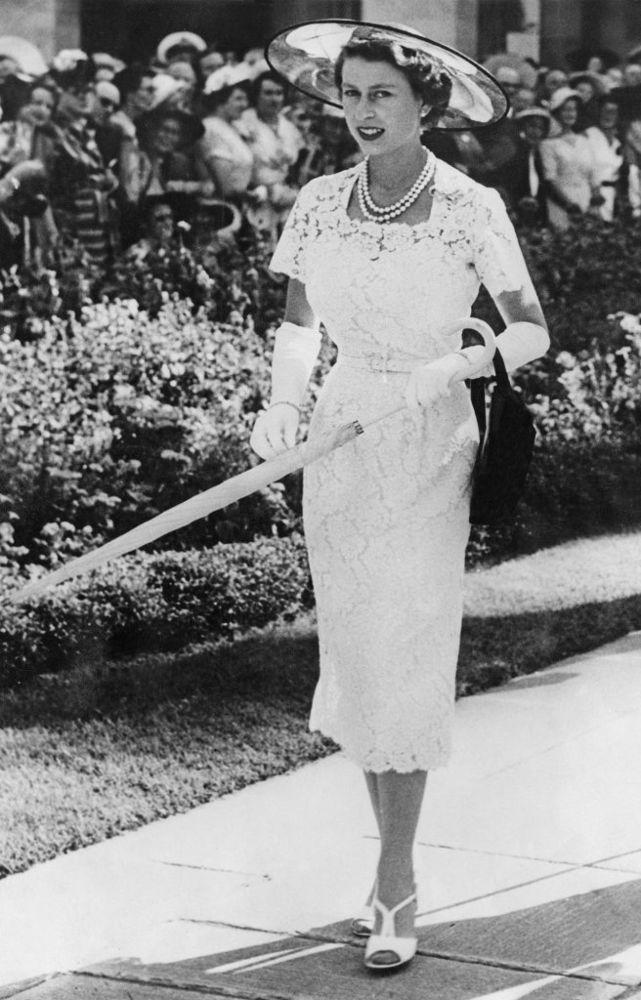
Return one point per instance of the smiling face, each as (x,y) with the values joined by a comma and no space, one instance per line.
(40,106)
(236,103)
(568,113)
(382,111)
(167,135)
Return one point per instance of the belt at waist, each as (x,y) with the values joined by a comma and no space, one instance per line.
(380,362)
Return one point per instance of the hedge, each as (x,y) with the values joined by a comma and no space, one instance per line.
(167,600)
(153,601)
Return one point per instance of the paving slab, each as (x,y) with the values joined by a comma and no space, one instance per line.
(304,968)
(81,987)
(597,932)
(529,859)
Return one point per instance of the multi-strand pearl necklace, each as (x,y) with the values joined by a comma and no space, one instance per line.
(385,213)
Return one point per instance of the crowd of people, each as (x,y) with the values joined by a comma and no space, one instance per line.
(115,157)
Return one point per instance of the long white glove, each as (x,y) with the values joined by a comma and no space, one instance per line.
(521,343)
(295,353)
(431,382)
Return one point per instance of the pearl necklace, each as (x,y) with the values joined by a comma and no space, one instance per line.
(385,213)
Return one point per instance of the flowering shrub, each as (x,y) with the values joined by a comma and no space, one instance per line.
(228,283)
(599,392)
(583,275)
(107,419)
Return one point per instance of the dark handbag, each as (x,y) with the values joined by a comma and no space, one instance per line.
(505,449)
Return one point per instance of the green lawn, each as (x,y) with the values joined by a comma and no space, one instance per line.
(88,754)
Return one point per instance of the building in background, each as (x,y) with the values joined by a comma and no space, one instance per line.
(554,32)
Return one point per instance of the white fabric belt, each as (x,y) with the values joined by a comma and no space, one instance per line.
(380,362)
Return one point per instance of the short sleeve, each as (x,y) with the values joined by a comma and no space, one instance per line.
(498,259)
(290,255)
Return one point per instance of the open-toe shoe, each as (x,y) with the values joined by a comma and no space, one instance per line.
(386,950)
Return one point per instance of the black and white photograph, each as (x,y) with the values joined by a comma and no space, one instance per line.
(320,499)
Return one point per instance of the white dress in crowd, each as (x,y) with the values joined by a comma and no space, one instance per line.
(227,155)
(275,149)
(608,157)
(386,516)
(569,162)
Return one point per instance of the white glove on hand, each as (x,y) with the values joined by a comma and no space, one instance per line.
(295,353)
(433,381)
(275,430)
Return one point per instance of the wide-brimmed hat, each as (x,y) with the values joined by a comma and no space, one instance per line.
(104,60)
(563,94)
(585,76)
(306,55)
(180,40)
(227,77)
(71,68)
(29,58)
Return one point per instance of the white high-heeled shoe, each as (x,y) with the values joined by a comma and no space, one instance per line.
(404,948)
(362,924)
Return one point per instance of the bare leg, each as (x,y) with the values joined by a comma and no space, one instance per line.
(371,781)
(400,797)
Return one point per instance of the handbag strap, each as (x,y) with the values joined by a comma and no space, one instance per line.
(477,390)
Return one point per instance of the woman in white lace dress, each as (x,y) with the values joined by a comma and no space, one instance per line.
(387,516)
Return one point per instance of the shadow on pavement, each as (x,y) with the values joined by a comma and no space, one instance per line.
(586,947)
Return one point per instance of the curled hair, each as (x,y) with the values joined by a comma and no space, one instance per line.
(270,75)
(431,83)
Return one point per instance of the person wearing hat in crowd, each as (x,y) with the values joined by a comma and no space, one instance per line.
(607,151)
(180,45)
(14,91)
(550,80)
(135,85)
(106,66)
(160,162)
(330,149)
(158,227)
(275,143)
(390,255)
(81,182)
(209,61)
(223,156)
(572,184)
(182,70)
(524,182)
(500,142)
(32,134)
(109,135)
(590,88)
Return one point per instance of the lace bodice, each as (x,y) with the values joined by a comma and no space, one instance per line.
(393,287)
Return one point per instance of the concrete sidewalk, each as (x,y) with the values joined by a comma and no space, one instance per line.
(529,864)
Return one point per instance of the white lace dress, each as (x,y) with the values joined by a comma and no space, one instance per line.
(386,516)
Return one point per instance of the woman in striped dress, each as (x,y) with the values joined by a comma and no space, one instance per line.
(81,182)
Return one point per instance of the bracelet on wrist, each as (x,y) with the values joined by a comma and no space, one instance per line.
(284,402)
